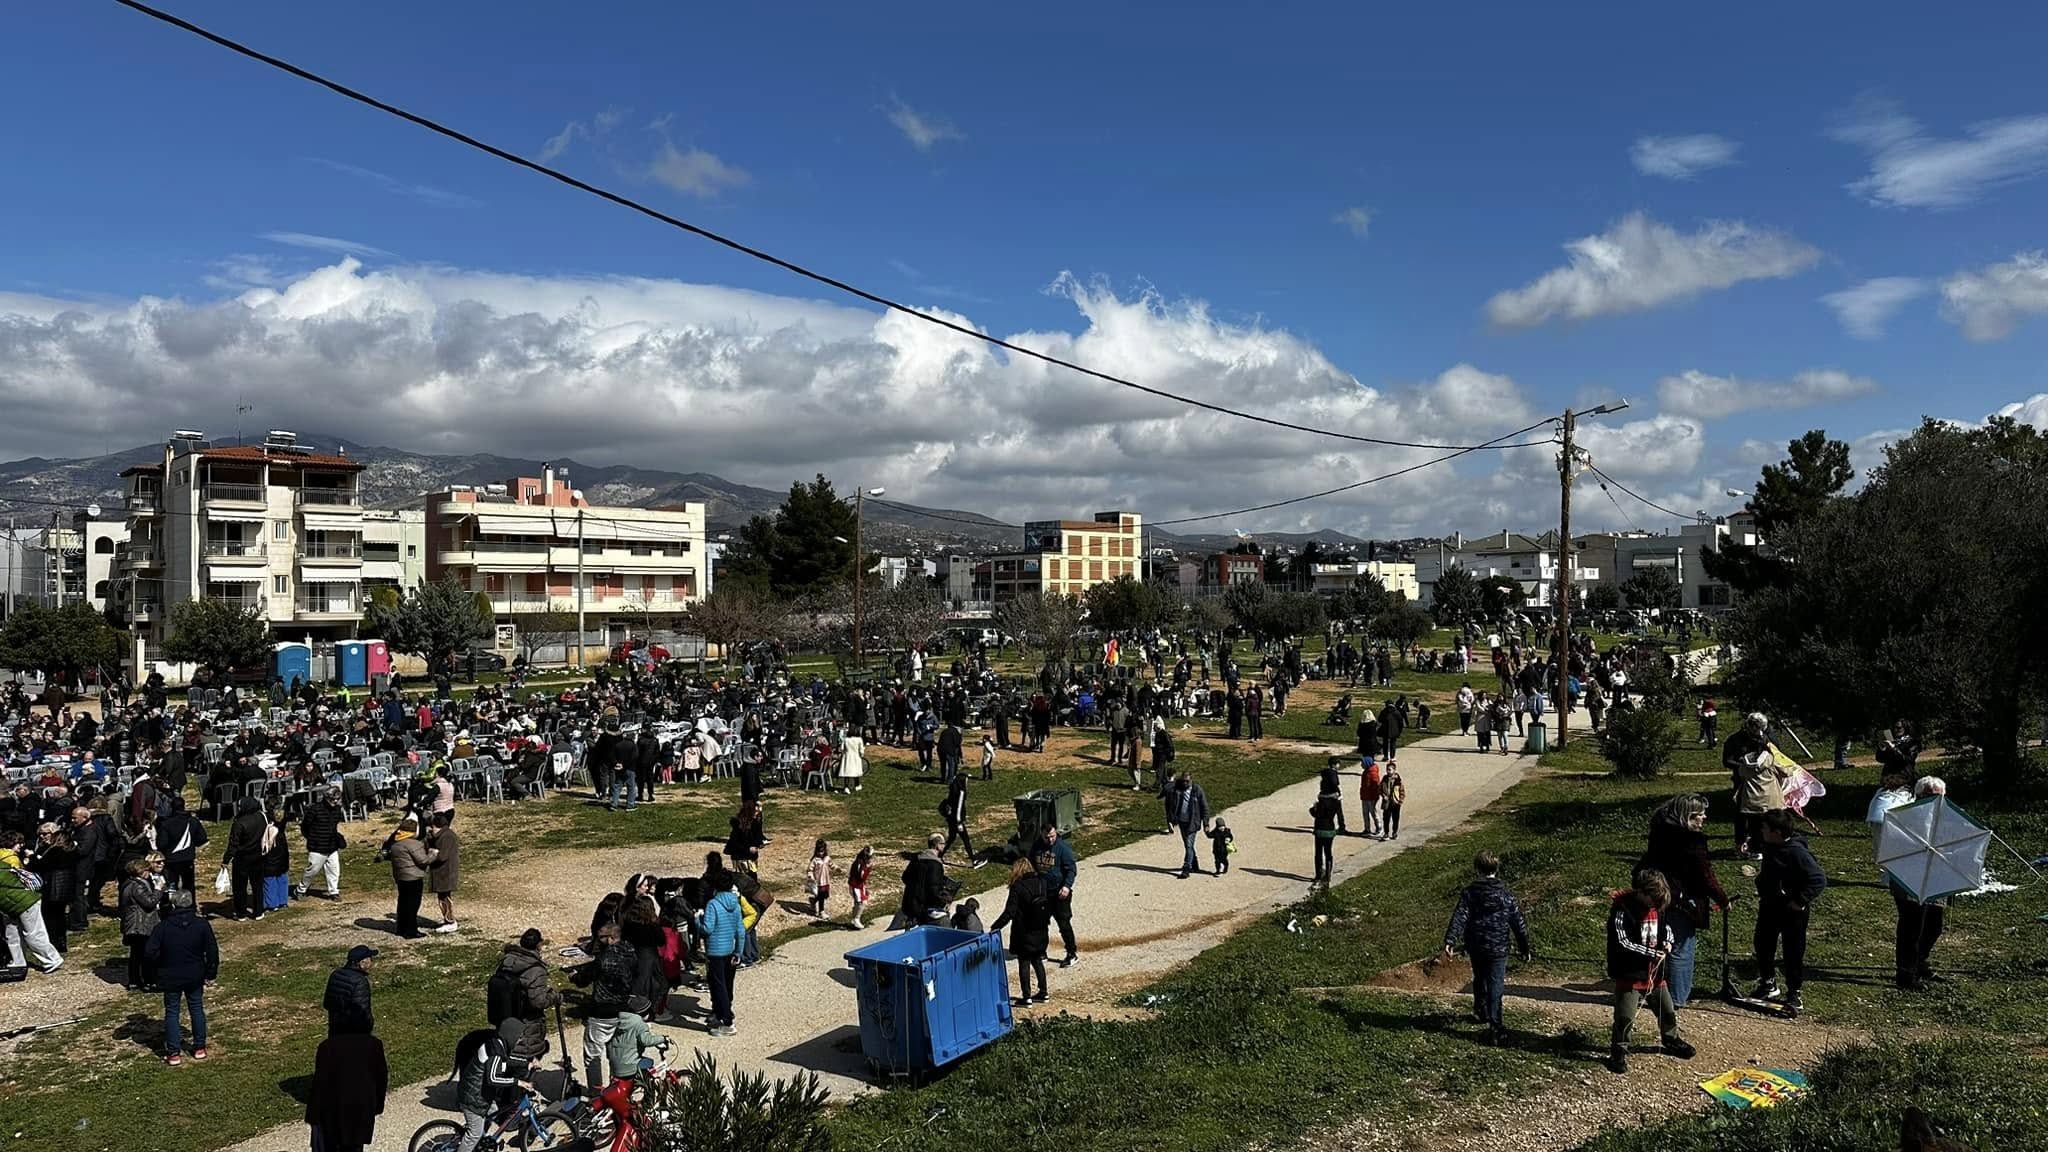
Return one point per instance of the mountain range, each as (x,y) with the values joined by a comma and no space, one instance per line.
(31,489)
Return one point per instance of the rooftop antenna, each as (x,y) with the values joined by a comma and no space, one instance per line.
(241,409)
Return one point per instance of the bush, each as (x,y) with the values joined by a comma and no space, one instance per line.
(707,1112)
(1637,741)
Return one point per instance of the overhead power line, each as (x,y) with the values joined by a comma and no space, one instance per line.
(1646,500)
(748,250)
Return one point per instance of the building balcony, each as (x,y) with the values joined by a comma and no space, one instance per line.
(330,554)
(235,494)
(135,559)
(241,603)
(338,498)
(327,608)
(144,611)
(233,551)
(142,505)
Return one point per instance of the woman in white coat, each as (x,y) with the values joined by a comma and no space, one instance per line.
(853,756)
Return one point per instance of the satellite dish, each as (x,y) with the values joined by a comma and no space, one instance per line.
(92,510)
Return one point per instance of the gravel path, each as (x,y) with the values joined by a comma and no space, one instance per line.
(1133,916)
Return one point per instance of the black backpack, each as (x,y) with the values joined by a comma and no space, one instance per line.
(503,996)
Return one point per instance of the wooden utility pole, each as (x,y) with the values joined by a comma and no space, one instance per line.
(859,578)
(579,588)
(1561,654)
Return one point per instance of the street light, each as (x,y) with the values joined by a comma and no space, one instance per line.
(1737,493)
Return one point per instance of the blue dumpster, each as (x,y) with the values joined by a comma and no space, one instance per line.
(292,662)
(353,659)
(929,996)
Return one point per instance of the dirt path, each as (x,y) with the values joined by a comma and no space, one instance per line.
(1587,1099)
(1135,919)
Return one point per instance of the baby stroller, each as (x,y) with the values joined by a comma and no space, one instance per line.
(1341,712)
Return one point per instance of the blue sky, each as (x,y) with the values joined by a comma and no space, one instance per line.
(1308,196)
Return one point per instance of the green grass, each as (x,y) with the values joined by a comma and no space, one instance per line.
(1268,1036)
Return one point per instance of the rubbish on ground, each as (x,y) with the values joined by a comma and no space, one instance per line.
(1991,886)
(1755,1087)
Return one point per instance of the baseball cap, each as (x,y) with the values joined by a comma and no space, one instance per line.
(360,953)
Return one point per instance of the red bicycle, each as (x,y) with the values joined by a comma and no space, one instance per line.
(616,1117)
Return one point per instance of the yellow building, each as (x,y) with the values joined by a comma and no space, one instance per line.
(1065,557)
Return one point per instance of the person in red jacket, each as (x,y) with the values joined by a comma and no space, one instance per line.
(1638,946)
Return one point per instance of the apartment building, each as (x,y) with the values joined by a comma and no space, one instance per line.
(1065,557)
(89,558)
(524,542)
(275,528)
(394,549)
(1530,561)
(1396,576)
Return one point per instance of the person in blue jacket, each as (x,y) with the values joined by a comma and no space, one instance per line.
(1486,917)
(186,956)
(722,929)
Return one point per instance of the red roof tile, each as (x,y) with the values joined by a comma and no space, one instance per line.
(254,452)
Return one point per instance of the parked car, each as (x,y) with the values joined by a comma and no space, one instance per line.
(483,660)
(632,649)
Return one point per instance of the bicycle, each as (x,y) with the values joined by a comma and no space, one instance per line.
(528,1125)
(614,1118)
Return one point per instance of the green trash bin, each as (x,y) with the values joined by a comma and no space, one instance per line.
(1539,739)
(1057,806)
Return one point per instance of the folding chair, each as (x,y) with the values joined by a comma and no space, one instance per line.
(822,773)
(227,796)
(494,782)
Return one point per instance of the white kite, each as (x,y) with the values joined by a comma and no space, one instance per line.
(1932,848)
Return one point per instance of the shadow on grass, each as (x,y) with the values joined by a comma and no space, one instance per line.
(1273,875)
(1127,867)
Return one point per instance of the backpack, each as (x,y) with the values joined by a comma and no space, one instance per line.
(503,996)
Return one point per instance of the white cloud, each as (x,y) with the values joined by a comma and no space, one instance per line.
(695,172)
(1681,157)
(2033,410)
(1910,169)
(1640,264)
(1865,309)
(763,389)
(392,184)
(594,129)
(1705,397)
(1990,302)
(922,130)
(1357,220)
(334,244)
(1662,445)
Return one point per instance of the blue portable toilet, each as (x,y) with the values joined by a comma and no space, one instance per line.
(289,659)
(352,658)
(929,996)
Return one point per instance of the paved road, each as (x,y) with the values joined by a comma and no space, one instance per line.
(1133,916)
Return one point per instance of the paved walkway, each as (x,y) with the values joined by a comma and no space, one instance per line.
(1133,916)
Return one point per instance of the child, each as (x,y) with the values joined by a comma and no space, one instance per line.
(1221,844)
(967,916)
(632,1037)
(1324,814)
(1422,716)
(140,893)
(1393,794)
(819,882)
(1787,884)
(1639,941)
(1487,915)
(988,757)
(1370,788)
(857,881)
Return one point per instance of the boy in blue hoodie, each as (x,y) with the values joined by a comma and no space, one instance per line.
(1486,917)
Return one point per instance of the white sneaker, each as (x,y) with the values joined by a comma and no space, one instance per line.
(448,927)
(858,926)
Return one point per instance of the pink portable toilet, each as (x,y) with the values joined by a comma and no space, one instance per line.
(378,658)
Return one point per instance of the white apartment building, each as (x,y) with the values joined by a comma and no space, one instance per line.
(1523,559)
(89,548)
(525,543)
(1393,575)
(394,549)
(271,527)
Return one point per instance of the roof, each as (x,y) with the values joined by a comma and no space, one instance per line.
(144,470)
(255,452)
(1504,542)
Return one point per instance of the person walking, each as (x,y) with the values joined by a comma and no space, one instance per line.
(346,1094)
(21,904)
(949,753)
(1027,912)
(277,862)
(180,835)
(1162,754)
(1059,888)
(1465,709)
(988,758)
(446,873)
(1787,884)
(1393,794)
(187,957)
(1638,944)
(141,894)
(1677,850)
(954,809)
(320,824)
(347,999)
(244,857)
(1187,811)
(611,974)
(722,929)
(1370,790)
(1113,719)
(1324,814)
(857,875)
(1486,917)
(1392,723)
(1331,784)
(410,859)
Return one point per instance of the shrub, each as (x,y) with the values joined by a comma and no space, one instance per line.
(707,1112)
(1637,741)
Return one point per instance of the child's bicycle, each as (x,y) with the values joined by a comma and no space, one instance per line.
(613,1118)
(531,1123)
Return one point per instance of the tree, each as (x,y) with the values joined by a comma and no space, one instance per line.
(1456,598)
(1246,603)
(543,628)
(1638,741)
(734,615)
(1603,598)
(1125,603)
(1500,595)
(1369,597)
(217,635)
(906,615)
(1050,624)
(58,640)
(435,621)
(1402,627)
(1290,614)
(1651,588)
(1789,497)
(805,547)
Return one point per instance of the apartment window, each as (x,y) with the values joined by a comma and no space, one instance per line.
(280,530)
(1073,569)
(1095,569)
(412,551)
(280,585)
(1095,545)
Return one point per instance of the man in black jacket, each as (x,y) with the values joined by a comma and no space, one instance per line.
(949,752)
(646,758)
(924,886)
(321,825)
(954,809)
(1786,887)
(1391,724)
(348,994)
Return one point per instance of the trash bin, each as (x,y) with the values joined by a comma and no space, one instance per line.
(1059,806)
(1539,739)
(929,996)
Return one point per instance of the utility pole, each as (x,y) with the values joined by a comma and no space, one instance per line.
(1561,655)
(13,547)
(859,578)
(579,588)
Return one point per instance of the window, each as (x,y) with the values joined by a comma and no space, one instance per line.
(1095,545)
(104,546)
(280,530)
(412,551)
(99,590)
(281,585)
(1095,569)
(1073,545)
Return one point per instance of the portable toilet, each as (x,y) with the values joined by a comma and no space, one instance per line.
(289,661)
(379,658)
(353,660)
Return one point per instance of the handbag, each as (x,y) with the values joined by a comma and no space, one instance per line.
(221,882)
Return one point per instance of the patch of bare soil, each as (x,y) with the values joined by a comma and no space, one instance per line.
(1586,1099)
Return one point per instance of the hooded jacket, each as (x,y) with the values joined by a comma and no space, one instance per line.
(1486,918)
